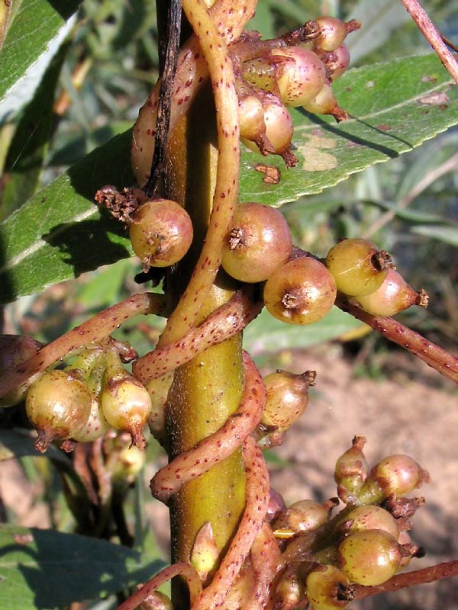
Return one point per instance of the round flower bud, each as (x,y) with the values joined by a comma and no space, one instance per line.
(58,406)
(161,233)
(301,77)
(370,557)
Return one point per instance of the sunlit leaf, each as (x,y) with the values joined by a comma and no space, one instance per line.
(395,107)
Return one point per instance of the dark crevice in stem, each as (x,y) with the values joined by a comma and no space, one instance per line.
(169,45)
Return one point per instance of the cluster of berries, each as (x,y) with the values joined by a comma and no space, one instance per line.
(366,543)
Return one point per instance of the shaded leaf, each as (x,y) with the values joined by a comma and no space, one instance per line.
(60,232)
(45,569)
(448,234)
(31,140)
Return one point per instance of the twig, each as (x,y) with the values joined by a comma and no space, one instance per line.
(430,32)
(169,61)
(434,356)
(410,579)
(433,175)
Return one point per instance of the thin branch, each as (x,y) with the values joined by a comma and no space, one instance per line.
(430,32)
(441,571)
(169,61)
(434,356)
(433,175)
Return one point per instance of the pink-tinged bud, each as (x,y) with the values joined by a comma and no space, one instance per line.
(351,471)
(340,62)
(393,296)
(326,103)
(396,474)
(300,79)
(287,398)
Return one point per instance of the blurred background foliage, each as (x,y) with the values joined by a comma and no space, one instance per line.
(408,206)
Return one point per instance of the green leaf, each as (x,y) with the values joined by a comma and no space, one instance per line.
(30,143)
(394,107)
(60,232)
(46,569)
(267,334)
(34,34)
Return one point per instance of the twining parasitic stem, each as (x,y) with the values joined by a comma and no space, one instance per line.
(225,196)
(177,569)
(257,497)
(94,330)
(218,446)
(434,356)
(225,322)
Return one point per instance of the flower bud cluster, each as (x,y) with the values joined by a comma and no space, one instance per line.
(296,70)
(366,543)
(81,402)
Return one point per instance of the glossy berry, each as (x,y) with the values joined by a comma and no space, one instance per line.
(370,557)
(396,474)
(251,117)
(258,242)
(58,405)
(340,62)
(96,425)
(301,292)
(328,588)
(300,77)
(302,516)
(161,233)
(358,266)
(287,398)
(126,405)
(393,296)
